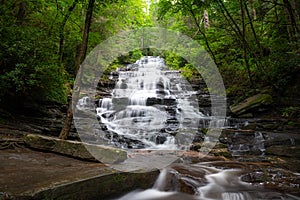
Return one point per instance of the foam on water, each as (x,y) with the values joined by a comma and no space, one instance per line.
(149,101)
(220,184)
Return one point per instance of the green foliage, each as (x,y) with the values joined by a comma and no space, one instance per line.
(176,62)
(40,82)
(291,112)
(29,68)
(189,71)
(40,40)
(135,55)
(254,44)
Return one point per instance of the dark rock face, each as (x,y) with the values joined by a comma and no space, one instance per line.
(278,179)
(285,151)
(243,142)
(47,122)
(160,101)
(122,141)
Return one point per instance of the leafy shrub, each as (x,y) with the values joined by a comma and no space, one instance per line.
(40,83)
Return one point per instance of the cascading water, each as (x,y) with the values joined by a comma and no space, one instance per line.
(151,106)
(208,183)
(247,144)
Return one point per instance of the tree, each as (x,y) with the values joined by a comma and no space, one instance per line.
(62,29)
(107,16)
(29,70)
(255,43)
(79,59)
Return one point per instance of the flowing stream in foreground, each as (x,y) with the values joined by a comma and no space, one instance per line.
(206,181)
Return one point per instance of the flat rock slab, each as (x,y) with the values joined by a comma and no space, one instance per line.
(105,154)
(29,174)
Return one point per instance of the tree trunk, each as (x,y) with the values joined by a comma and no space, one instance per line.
(79,59)
(62,29)
(21,12)
(245,54)
(68,122)
(85,38)
(202,33)
(292,27)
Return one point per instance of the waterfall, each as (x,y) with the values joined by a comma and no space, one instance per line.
(152,105)
(236,196)
(161,180)
(259,142)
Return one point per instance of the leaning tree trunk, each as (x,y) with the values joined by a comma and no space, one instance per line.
(79,59)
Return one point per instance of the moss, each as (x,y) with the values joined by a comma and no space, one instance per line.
(80,150)
(255,101)
(39,142)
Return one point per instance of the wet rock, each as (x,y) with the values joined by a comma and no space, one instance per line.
(280,141)
(281,138)
(246,115)
(257,102)
(204,100)
(274,178)
(120,103)
(172,126)
(160,139)
(160,101)
(122,141)
(270,126)
(243,142)
(27,174)
(250,126)
(76,149)
(220,152)
(283,150)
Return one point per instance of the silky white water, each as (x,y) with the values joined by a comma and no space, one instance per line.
(152,105)
(213,184)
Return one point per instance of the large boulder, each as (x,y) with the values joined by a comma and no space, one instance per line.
(257,102)
(105,154)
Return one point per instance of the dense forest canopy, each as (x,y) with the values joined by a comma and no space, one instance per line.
(40,40)
(254,43)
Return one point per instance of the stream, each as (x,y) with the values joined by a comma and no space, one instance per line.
(153,108)
(207,181)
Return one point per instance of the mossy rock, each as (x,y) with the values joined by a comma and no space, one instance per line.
(255,102)
(105,154)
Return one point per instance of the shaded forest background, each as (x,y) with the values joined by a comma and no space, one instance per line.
(254,43)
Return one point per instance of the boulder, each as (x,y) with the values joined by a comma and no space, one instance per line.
(105,154)
(257,102)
